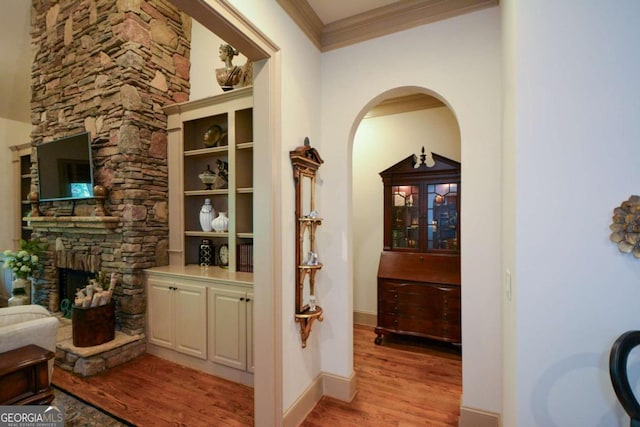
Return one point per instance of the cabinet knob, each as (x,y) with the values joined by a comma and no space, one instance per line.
(248,299)
(241,299)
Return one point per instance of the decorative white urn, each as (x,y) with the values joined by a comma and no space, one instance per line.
(221,223)
(207,215)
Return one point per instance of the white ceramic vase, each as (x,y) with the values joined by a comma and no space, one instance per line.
(221,223)
(20,292)
(207,215)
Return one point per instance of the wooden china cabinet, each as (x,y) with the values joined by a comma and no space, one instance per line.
(419,269)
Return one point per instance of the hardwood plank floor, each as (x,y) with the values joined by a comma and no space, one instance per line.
(150,391)
(403,382)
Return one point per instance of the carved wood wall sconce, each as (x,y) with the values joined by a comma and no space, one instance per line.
(306,161)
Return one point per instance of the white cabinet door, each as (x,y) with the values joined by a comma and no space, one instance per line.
(250,332)
(190,319)
(160,312)
(228,327)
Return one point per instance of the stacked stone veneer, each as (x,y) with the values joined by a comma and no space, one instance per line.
(109,67)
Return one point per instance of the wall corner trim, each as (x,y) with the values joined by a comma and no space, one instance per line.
(305,403)
(342,388)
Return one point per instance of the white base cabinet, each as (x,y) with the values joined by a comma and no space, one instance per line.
(177,313)
(203,313)
(229,323)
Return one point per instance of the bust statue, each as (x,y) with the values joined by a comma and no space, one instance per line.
(229,75)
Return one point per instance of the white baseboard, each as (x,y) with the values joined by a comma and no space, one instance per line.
(340,388)
(470,417)
(364,318)
(298,411)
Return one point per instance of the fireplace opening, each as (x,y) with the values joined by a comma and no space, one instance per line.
(70,280)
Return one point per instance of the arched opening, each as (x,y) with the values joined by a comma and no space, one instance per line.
(392,126)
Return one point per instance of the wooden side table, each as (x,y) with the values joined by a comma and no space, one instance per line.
(24,376)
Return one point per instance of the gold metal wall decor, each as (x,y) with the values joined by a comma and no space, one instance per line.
(306,161)
(625,228)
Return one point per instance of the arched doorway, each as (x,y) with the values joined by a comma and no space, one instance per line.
(392,126)
(395,125)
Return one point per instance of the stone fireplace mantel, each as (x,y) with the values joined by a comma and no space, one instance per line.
(74,224)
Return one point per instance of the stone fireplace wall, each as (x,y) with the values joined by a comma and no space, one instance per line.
(108,67)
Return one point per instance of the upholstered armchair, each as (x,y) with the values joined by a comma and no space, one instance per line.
(28,324)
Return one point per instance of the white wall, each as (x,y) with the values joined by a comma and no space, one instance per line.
(205,58)
(509,307)
(381,142)
(573,84)
(458,59)
(11,133)
(300,112)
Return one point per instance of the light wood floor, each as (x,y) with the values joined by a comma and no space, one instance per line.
(400,383)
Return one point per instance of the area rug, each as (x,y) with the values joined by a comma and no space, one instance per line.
(78,412)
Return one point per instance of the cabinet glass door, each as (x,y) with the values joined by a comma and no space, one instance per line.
(442,216)
(405,221)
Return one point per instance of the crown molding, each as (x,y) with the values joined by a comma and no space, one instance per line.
(381,21)
(305,17)
(404,104)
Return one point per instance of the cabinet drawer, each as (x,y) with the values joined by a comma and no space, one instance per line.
(429,327)
(407,323)
(419,309)
(418,293)
(415,288)
(417,302)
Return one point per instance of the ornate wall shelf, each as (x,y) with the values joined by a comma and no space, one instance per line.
(306,161)
(305,319)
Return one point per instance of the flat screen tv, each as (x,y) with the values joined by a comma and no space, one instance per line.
(65,168)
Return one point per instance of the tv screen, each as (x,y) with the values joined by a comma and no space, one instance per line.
(65,168)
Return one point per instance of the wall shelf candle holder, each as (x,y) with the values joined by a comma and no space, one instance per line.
(305,161)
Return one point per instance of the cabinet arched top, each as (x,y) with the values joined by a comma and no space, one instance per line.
(442,167)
